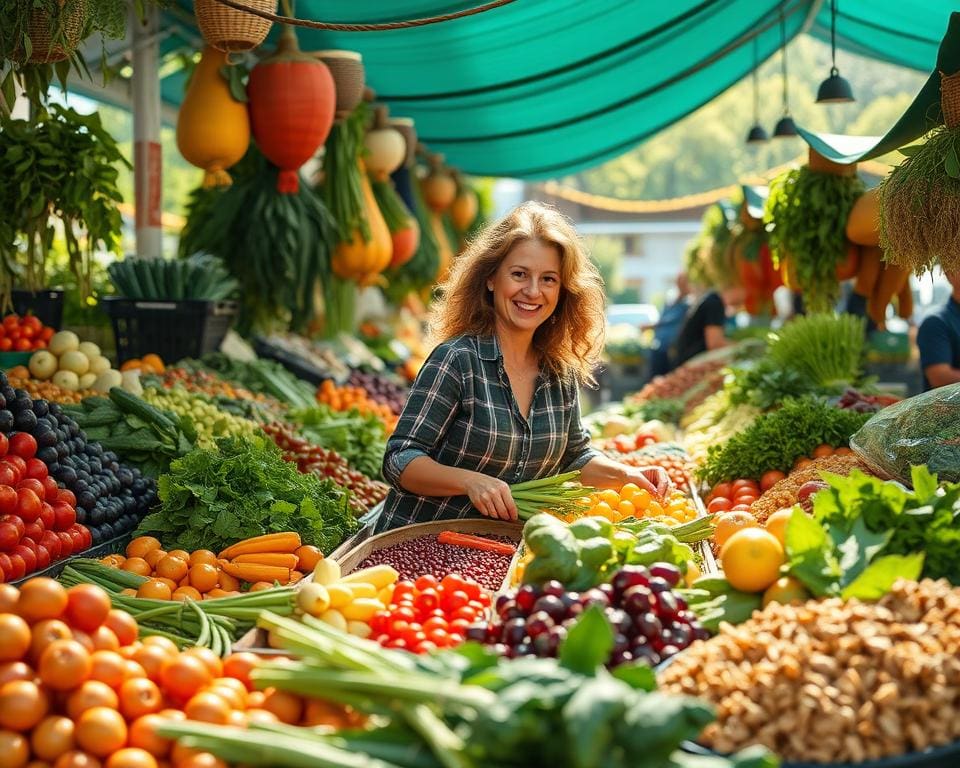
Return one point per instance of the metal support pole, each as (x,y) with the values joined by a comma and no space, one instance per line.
(147,154)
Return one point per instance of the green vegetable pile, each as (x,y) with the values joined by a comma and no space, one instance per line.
(199,277)
(923,523)
(591,550)
(141,435)
(776,440)
(264,377)
(209,421)
(806,216)
(467,708)
(666,410)
(212,498)
(825,349)
(359,438)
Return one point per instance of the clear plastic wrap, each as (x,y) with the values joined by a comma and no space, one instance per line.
(920,430)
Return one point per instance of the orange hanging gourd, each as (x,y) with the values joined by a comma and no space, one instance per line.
(292,101)
(363,259)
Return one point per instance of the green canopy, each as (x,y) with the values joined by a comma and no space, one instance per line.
(544,88)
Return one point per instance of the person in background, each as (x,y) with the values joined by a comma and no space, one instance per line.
(665,331)
(518,325)
(939,341)
(704,327)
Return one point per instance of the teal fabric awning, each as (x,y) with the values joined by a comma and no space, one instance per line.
(543,88)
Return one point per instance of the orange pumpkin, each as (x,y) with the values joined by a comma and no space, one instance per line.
(363,260)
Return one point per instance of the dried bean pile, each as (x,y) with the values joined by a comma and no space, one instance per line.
(833,681)
(425,555)
(784,492)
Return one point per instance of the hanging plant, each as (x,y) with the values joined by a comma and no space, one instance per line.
(60,166)
(806,215)
(920,199)
(213,128)
(386,151)
(292,102)
(747,240)
(276,245)
(719,270)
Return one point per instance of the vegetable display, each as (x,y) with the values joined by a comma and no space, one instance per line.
(200,277)
(359,438)
(242,487)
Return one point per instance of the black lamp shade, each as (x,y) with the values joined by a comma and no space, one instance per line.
(757,135)
(785,127)
(834,90)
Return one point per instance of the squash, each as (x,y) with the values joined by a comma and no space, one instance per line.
(213,128)
(439,187)
(386,147)
(292,102)
(863,223)
(464,209)
(363,260)
(405,243)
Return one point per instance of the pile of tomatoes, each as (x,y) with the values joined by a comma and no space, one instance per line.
(77,685)
(38,519)
(24,334)
(427,614)
(740,494)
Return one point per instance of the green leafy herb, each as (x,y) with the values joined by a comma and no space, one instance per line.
(242,488)
(825,349)
(359,438)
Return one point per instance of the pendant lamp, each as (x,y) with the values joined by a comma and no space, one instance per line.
(756,135)
(785,126)
(835,89)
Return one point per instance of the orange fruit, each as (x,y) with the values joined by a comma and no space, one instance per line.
(15,637)
(139,546)
(239,665)
(23,704)
(137,565)
(751,559)
(108,667)
(91,694)
(40,599)
(186,593)
(101,731)
(9,595)
(786,590)
(172,567)
(181,553)
(76,758)
(777,524)
(131,757)
(204,577)
(143,735)
(154,361)
(123,625)
(52,737)
(602,509)
(154,556)
(626,509)
(208,657)
(138,697)
(308,557)
(287,707)
(182,676)
(14,749)
(208,707)
(227,582)
(64,665)
(155,589)
(728,523)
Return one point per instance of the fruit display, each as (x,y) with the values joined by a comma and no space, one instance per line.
(71,364)
(832,681)
(24,333)
(650,620)
(672,457)
(381,388)
(205,383)
(348,397)
(427,555)
(20,378)
(208,421)
(633,501)
(81,685)
(692,378)
(150,364)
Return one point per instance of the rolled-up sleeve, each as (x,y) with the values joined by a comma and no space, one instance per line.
(433,403)
(579,451)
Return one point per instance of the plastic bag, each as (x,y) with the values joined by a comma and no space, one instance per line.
(920,430)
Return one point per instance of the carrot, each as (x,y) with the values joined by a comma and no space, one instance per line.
(863,223)
(848,268)
(279,559)
(475,542)
(888,285)
(286,541)
(869,271)
(905,301)
(253,572)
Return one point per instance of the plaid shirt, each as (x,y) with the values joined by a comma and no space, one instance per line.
(461,412)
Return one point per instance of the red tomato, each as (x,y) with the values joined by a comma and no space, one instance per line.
(67,543)
(32,321)
(66,496)
(27,331)
(47,516)
(11,321)
(39,344)
(9,537)
(23,345)
(5,346)
(52,542)
(13,335)
(36,469)
(50,486)
(43,557)
(47,333)
(4,445)
(34,530)
(719,504)
(745,483)
(721,489)
(8,474)
(16,522)
(744,498)
(34,485)
(65,516)
(8,500)
(23,444)
(28,505)
(27,550)
(18,463)
(18,568)
(5,567)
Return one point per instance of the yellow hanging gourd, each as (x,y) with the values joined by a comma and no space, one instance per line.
(359,259)
(213,128)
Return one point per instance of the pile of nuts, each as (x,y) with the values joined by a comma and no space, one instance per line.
(784,493)
(833,681)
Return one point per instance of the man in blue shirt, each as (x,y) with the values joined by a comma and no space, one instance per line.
(939,341)
(665,331)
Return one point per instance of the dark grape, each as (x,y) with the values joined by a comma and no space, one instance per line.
(648,625)
(514,632)
(539,623)
(666,571)
(667,605)
(658,584)
(553,588)
(594,597)
(525,598)
(637,600)
(551,605)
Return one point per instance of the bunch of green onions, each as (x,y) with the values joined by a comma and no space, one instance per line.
(560,494)
(212,623)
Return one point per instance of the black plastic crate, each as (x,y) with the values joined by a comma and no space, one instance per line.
(171,329)
(46,305)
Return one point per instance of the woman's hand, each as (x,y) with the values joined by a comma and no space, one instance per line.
(653,479)
(490,496)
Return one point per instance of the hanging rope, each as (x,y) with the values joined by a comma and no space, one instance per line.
(238,5)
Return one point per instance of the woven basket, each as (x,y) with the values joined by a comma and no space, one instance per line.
(820,164)
(950,99)
(348,77)
(230,30)
(406,128)
(43,49)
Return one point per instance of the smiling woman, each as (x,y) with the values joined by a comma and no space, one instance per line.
(518,327)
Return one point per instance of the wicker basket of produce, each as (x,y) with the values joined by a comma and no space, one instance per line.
(230,30)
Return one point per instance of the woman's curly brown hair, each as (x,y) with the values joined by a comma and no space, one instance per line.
(570,346)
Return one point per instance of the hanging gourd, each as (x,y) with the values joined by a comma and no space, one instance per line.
(386,152)
(439,190)
(806,215)
(213,128)
(465,207)
(292,102)
(364,248)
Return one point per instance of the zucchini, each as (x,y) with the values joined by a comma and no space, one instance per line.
(132,404)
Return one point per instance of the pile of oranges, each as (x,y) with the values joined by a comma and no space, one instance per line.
(77,686)
(178,574)
(633,501)
(345,398)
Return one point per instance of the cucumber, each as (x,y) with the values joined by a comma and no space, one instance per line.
(132,404)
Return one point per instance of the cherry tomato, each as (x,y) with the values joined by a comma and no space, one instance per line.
(28,504)
(34,485)
(36,469)
(23,345)
(67,497)
(18,463)
(23,444)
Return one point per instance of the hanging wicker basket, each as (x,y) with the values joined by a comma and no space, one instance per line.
(44,50)
(348,77)
(230,30)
